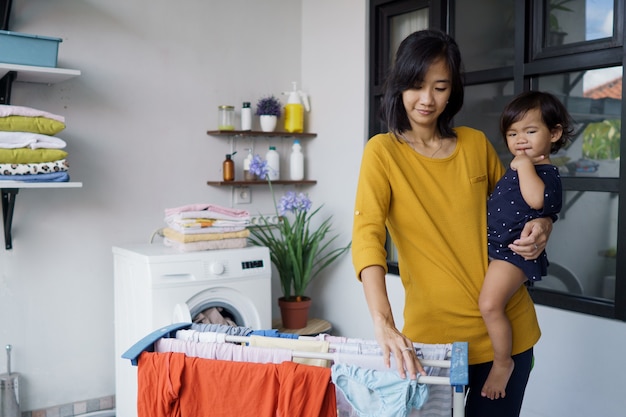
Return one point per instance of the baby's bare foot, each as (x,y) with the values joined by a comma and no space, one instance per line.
(495,385)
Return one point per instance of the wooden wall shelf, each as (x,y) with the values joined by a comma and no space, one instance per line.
(255,133)
(247,183)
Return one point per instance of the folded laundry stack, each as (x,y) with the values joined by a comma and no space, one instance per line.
(29,151)
(197,227)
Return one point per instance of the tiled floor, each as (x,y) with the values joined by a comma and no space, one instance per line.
(74,409)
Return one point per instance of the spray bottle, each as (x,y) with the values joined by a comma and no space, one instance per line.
(294,110)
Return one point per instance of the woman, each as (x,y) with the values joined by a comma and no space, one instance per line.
(427,184)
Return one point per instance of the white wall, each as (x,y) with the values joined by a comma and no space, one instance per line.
(153,74)
(152,79)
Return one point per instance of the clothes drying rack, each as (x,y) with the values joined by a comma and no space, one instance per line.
(458,362)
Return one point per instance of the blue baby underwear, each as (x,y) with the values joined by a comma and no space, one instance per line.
(373,393)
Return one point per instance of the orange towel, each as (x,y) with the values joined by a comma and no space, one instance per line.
(171,384)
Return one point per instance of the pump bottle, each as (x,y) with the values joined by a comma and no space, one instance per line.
(296,162)
(273,164)
(294,110)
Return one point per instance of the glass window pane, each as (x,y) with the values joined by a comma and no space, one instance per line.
(488,44)
(481,110)
(593,98)
(582,246)
(572,21)
(403,25)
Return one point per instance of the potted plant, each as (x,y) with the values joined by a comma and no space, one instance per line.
(557,34)
(299,249)
(269,109)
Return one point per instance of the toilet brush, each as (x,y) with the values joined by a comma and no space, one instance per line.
(9,390)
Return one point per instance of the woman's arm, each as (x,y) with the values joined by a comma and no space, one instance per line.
(390,339)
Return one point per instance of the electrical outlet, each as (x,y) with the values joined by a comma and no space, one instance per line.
(243,195)
(264,219)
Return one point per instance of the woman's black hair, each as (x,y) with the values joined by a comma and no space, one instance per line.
(553,114)
(416,54)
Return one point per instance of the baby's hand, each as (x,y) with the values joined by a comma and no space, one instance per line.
(521,158)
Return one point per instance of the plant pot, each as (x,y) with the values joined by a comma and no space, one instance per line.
(294,314)
(268,123)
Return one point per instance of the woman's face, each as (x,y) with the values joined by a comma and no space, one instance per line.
(426,101)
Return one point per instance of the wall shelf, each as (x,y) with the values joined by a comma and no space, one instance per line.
(247,183)
(254,133)
(42,75)
(9,193)
(251,134)
(10,73)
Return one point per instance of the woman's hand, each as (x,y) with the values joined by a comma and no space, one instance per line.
(533,239)
(392,342)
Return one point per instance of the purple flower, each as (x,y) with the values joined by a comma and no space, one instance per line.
(269,106)
(259,167)
(294,203)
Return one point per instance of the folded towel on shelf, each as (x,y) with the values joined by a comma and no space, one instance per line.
(12,140)
(206,244)
(51,177)
(216,211)
(34,169)
(29,156)
(199,237)
(38,124)
(11,110)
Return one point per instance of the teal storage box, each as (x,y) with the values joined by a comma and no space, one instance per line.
(24,49)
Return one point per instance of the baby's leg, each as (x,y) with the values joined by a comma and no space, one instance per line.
(501,282)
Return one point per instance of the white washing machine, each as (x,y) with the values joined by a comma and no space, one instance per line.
(155,286)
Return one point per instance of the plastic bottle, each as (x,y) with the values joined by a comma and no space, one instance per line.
(228,168)
(296,162)
(247,175)
(294,110)
(273,164)
(246,116)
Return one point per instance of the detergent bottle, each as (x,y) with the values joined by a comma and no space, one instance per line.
(297,102)
(273,164)
(296,165)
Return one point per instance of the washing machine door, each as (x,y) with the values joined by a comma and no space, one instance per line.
(235,307)
(181,313)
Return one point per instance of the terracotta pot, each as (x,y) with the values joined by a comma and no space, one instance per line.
(294,314)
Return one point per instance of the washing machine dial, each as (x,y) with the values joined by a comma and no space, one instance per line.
(217,268)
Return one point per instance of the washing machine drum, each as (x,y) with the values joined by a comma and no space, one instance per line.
(218,306)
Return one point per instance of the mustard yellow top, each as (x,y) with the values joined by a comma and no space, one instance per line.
(436,213)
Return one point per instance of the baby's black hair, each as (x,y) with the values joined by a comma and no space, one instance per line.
(553,114)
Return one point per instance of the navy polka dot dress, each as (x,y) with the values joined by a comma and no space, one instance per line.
(507,213)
